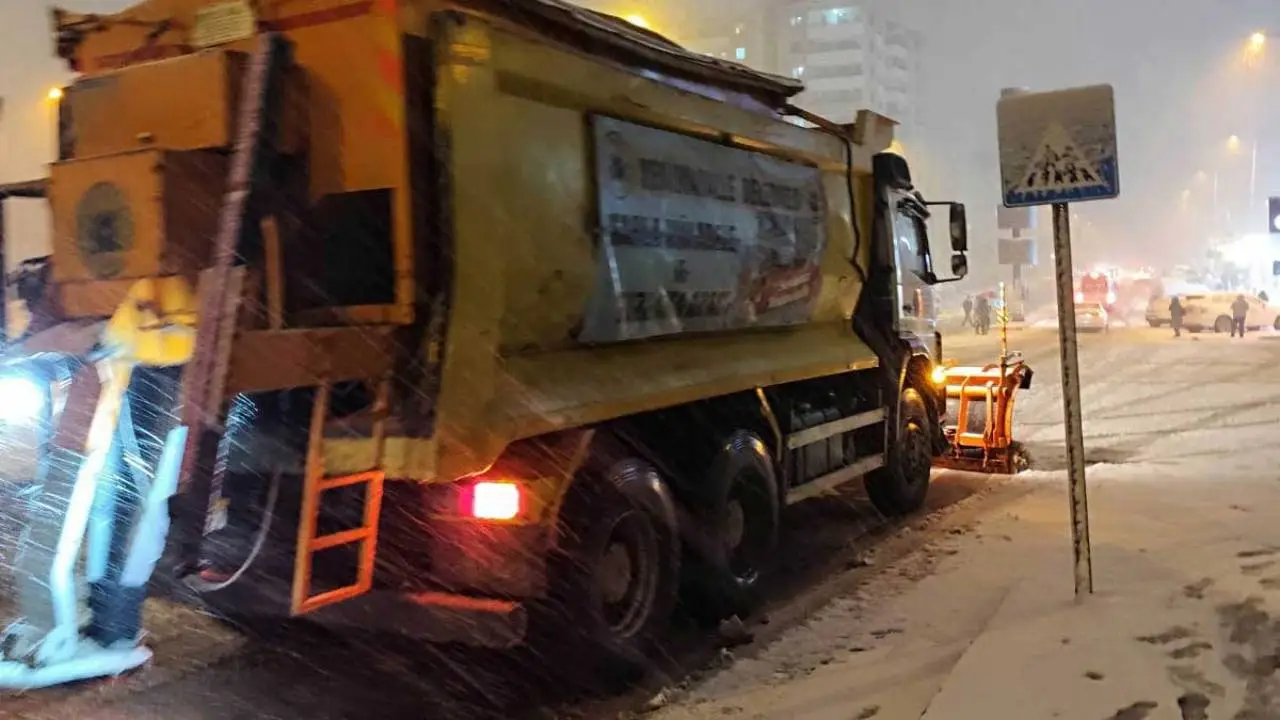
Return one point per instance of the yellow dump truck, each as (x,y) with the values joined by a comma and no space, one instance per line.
(478,312)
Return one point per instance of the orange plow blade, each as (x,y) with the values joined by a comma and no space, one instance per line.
(979,418)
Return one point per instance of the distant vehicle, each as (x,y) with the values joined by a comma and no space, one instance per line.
(1096,288)
(1092,317)
(1212,311)
(1133,293)
(1158,310)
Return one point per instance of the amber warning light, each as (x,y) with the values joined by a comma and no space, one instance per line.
(487,500)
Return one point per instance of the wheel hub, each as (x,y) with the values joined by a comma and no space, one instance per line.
(615,574)
(735,525)
(916,456)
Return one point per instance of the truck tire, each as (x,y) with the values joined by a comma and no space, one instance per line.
(732,530)
(901,485)
(615,577)
(1222,324)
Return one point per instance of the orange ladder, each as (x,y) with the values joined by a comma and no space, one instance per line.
(315,484)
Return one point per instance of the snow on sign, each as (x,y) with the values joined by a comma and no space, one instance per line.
(1058,147)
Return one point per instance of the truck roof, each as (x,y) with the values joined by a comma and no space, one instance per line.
(646,44)
(586,30)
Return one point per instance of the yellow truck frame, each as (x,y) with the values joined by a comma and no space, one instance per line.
(390,217)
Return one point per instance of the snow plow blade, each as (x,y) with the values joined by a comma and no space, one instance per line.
(978,425)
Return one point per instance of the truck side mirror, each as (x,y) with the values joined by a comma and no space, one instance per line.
(959,265)
(959,229)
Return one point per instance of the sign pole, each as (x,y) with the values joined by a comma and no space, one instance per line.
(1020,314)
(1071,400)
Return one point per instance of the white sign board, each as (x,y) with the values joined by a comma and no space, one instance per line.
(220,23)
(1018,218)
(1058,147)
(697,236)
(1016,251)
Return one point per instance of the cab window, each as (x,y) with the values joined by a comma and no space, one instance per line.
(906,234)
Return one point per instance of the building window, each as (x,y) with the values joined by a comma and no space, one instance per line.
(833,16)
(797,20)
(828,72)
(797,72)
(820,46)
(740,54)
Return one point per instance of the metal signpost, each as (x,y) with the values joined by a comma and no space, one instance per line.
(1057,148)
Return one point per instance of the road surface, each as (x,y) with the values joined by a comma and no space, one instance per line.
(205,670)
(983,623)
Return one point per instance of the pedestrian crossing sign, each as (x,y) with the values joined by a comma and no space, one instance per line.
(1058,147)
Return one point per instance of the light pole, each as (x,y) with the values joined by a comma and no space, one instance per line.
(1255,53)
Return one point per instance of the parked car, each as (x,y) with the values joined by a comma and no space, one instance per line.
(1092,317)
(1212,311)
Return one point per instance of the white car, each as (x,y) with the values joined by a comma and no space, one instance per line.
(1092,317)
(1212,311)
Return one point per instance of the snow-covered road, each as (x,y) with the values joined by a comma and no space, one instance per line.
(1184,479)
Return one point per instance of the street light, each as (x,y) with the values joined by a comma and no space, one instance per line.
(1257,42)
(1233,143)
(55,94)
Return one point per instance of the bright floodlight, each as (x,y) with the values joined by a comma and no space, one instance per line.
(55,94)
(21,400)
(1257,41)
(638,20)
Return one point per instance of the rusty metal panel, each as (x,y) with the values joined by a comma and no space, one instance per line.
(132,215)
(93,299)
(106,221)
(192,185)
(279,359)
(183,103)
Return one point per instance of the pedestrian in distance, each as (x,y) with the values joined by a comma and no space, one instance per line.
(982,315)
(1239,309)
(968,311)
(1262,295)
(1175,316)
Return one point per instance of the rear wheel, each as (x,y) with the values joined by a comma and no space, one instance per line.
(1276,325)
(734,535)
(615,575)
(1153,323)
(901,485)
(1222,324)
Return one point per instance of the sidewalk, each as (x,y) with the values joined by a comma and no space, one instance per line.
(1186,578)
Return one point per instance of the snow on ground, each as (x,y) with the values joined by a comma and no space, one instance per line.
(1184,502)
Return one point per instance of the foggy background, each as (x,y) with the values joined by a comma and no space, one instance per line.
(1185,84)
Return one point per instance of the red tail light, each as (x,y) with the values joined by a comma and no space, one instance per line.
(488,500)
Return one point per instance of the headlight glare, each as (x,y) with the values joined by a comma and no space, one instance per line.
(22,400)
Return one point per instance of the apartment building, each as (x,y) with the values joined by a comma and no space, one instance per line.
(851,54)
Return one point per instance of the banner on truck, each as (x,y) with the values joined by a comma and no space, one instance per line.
(699,237)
